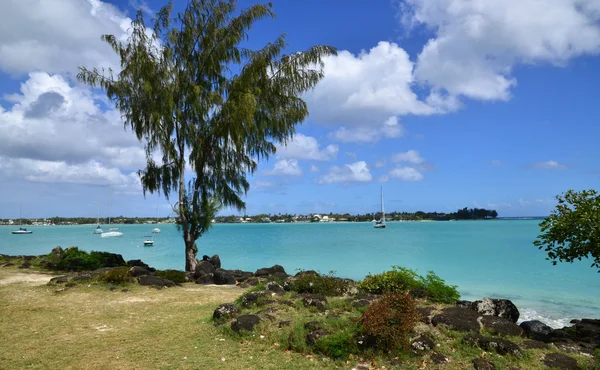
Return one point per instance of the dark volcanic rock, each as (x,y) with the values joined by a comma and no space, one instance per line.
(463,304)
(502,326)
(360,302)
(275,288)
(265,271)
(460,319)
(365,341)
(422,344)
(245,323)
(139,263)
(426,313)
(254,298)
(534,344)
(226,311)
(204,267)
(222,277)
(560,361)
(216,261)
(438,358)
(205,278)
(240,275)
(252,281)
(315,300)
(496,307)
(57,251)
(483,364)
(279,276)
(500,345)
(155,281)
(136,271)
(537,330)
(314,336)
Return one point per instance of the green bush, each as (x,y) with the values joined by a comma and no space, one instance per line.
(117,275)
(338,345)
(73,259)
(401,279)
(175,276)
(315,283)
(391,319)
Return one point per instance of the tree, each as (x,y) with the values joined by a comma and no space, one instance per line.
(191,92)
(572,231)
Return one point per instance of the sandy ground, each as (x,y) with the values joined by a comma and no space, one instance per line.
(25,278)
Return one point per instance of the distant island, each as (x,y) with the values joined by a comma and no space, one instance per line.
(461,214)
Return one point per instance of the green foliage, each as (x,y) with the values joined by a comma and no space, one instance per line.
(189,89)
(73,259)
(401,279)
(117,275)
(391,319)
(338,345)
(175,276)
(315,283)
(572,231)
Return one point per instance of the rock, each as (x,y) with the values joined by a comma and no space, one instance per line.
(222,277)
(314,336)
(275,288)
(560,361)
(254,298)
(496,307)
(139,263)
(279,276)
(59,279)
(240,275)
(307,272)
(81,278)
(216,261)
(288,284)
(204,267)
(502,326)
(483,364)
(426,313)
(226,311)
(245,323)
(155,281)
(438,358)
(463,304)
(422,344)
(268,313)
(537,330)
(265,271)
(360,303)
(252,281)
(315,300)
(26,264)
(365,341)
(500,345)
(534,344)
(136,271)
(206,278)
(189,276)
(57,251)
(460,319)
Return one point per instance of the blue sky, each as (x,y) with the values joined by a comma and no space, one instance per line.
(444,103)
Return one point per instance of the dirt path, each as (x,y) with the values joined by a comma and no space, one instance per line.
(23,278)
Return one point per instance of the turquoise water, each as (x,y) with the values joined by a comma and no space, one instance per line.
(484,258)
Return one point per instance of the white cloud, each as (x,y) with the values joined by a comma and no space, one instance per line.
(550,165)
(286,167)
(58,36)
(263,184)
(477,43)
(351,155)
(306,147)
(366,89)
(496,163)
(380,164)
(390,129)
(354,172)
(314,168)
(406,174)
(411,156)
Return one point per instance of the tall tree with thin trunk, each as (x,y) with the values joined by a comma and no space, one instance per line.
(192,92)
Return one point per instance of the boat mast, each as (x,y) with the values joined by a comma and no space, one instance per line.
(382,209)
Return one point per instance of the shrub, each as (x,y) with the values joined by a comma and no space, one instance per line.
(390,319)
(117,275)
(176,276)
(324,284)
(338,345)
(73,259)
(401,279)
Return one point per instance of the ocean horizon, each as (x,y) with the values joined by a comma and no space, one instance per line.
(493,259)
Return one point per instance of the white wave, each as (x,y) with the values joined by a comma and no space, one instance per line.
(528,314)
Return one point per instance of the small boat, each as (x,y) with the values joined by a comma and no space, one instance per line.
(148,242)
(98,229)
(22,230)
(111,234)
(156,230)
(381,223)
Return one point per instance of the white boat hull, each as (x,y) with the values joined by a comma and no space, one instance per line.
(148,243)
(20,232)
(111,234)
(379,226)
(98,231)
(156,230)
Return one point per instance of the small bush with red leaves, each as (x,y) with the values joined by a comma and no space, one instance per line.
(390,319)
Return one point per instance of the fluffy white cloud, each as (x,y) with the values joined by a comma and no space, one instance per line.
(477,43)
(354,172)
(58,36)
(366,89)
(287,167)
(306,147)
(390,129)
(550,165)
(314,168)
(411,156)
(406,174)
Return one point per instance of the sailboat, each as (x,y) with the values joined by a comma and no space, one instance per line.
(156,230)
(112,231)
(381,223)
(98,229)
(22,230)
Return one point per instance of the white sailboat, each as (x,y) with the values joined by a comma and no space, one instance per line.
(156,230)
(22,230)
(112,231)
(98,229)
(381,223)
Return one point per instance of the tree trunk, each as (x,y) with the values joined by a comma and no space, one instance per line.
(190,256)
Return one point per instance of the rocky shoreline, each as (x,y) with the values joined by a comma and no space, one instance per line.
(487,321)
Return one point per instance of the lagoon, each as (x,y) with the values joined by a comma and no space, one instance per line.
(484,258)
